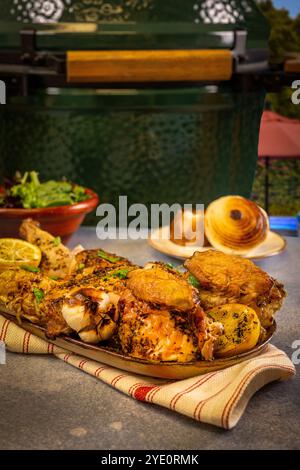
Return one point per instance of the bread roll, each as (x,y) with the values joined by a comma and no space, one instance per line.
(235,225)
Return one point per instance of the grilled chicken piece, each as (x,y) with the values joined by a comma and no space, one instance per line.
(87,300)
(158,285)
(21,293)
(88,261)
(57,260)
(161,318)
(88,304)
(155,334)
(91,312)
(231,279)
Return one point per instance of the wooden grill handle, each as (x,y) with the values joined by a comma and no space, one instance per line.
(149,66)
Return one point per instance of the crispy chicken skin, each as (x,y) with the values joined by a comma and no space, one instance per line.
(231,279)
(161,318)
(57,260)
(161,286)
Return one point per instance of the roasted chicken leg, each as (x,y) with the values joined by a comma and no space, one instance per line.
(57,260)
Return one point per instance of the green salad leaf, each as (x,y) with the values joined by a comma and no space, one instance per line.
(34,194)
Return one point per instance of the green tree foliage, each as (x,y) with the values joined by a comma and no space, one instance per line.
(284,175)
(284,189)
(285,31)
(281,103)
(284,37)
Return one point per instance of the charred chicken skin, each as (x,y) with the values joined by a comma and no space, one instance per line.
(161,318)
(227,279)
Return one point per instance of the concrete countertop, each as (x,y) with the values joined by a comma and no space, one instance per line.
(47,404)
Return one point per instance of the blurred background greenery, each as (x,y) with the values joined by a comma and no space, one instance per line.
(284,191)
(284,174)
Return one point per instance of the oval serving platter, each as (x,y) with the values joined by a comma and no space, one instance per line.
(163,370)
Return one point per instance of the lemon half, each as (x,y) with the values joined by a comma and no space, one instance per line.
(15,253)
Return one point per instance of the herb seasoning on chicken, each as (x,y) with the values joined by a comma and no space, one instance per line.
(161,318)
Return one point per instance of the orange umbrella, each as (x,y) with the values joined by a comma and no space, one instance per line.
(279,138)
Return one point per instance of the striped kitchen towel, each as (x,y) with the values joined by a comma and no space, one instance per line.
(218,398)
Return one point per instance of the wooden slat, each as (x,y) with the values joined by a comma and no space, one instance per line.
(292,66)
(148,66)
(292,62)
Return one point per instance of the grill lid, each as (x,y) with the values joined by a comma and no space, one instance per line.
(210,39)
(142,24)
(132,24)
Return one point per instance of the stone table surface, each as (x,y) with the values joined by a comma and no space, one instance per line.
(47,404)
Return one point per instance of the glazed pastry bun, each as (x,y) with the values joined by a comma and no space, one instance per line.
(187,228)
(235,225)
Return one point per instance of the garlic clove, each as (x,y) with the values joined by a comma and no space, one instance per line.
(89,336)
(75,316)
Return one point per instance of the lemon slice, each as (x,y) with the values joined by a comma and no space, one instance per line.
(241,329)
(15,252)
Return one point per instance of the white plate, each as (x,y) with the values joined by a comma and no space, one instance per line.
(273,245)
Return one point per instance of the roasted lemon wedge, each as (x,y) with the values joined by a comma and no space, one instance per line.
(241,329)
(15,252)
